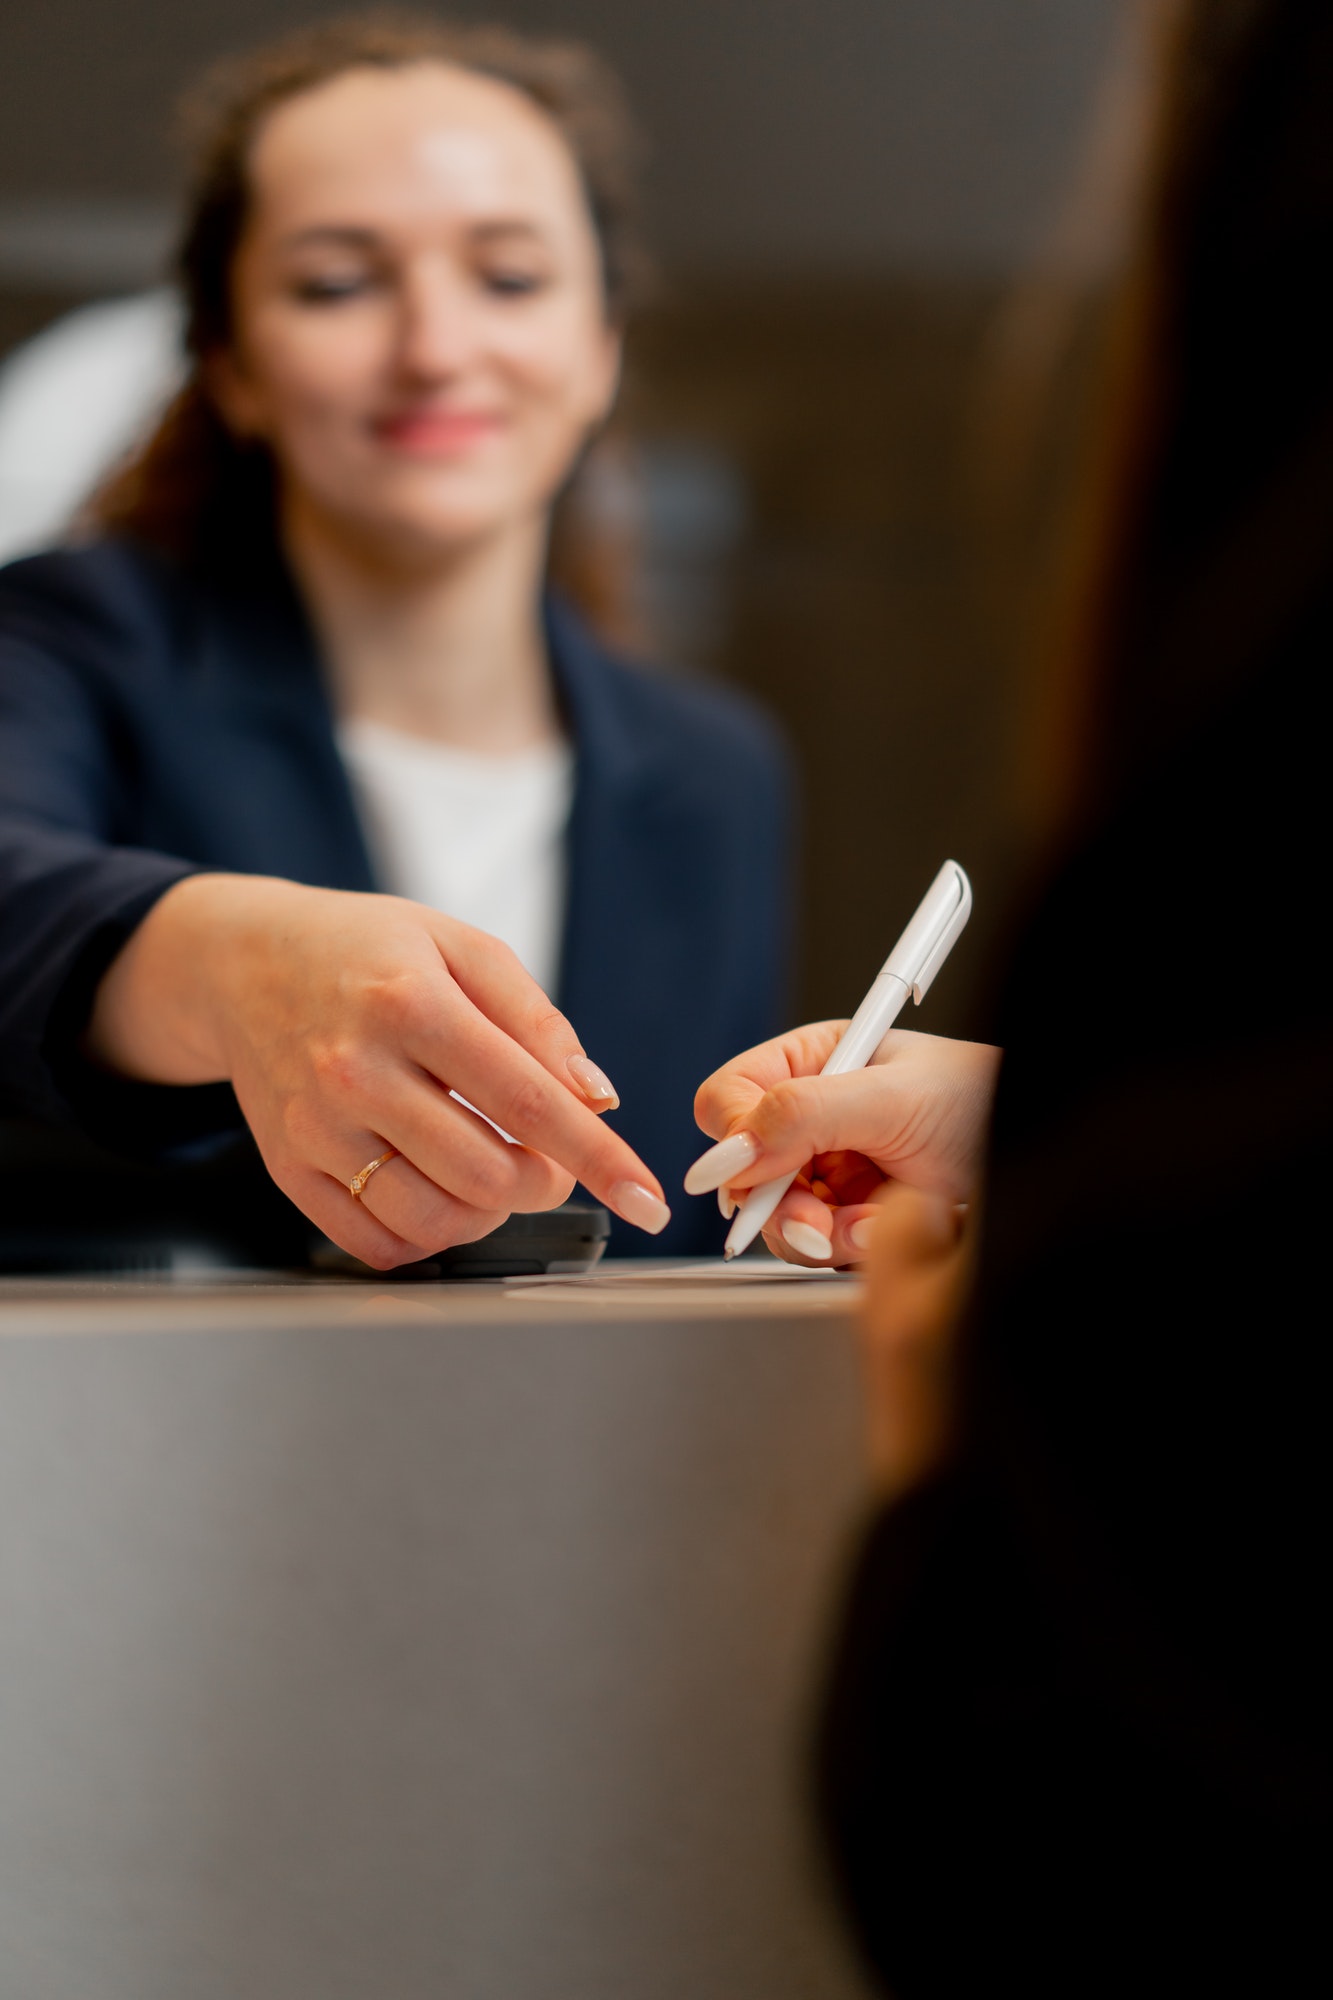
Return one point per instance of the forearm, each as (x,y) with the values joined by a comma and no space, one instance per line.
(353,1027)
(159,1012)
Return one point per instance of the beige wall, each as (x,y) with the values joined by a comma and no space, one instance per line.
(788,134)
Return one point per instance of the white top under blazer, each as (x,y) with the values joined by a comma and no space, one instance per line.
(481,838)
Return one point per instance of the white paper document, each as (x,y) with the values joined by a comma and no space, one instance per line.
(750,1271)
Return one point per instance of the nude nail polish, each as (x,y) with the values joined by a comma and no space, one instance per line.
(726,1201)
(722,1162)
(640,1206)
(862,1234)
(808,1241)
(593,1082)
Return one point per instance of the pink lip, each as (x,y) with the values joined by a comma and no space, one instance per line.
(428,431)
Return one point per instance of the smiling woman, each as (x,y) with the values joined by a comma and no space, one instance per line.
(420,332)
(310,656)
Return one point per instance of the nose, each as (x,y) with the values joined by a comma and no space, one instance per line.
(440,329)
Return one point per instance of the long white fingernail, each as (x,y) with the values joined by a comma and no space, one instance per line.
(726,1201)
(722,1162)
(640,1206)
(862,1234)
(593,1082)
(809,1241)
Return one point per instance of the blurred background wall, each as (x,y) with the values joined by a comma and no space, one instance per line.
(844,195)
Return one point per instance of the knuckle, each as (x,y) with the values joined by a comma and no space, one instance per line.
(707,1104)
(546,1022)
(526,1105)
(543,1190)
(726,1100)
(503,954)
(434,1223)
(473,1223)
(782,1113)
(490,1182)
(500,960)
(407,1005)
(338,1066)
(459,1224)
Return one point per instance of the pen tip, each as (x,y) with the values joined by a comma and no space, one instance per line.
(727,1256)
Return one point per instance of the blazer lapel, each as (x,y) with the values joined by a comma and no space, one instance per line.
(632,922)
(258,665)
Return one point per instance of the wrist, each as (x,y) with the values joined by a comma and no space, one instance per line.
(167,1006)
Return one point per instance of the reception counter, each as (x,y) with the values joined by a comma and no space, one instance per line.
(366,1641)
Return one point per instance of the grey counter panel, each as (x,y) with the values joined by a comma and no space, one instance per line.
(436,1658)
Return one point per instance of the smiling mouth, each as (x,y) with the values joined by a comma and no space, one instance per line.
(437,430)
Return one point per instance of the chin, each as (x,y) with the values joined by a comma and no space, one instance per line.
(414,537)
(448,509)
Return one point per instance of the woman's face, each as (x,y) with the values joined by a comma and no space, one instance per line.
(419,326)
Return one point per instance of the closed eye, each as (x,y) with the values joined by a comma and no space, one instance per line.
(330,288)
(514,284)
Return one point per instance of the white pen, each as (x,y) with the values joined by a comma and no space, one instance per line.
(909,969)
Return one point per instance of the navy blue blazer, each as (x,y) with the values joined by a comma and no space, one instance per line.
(153,723)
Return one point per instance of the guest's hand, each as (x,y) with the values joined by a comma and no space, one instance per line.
(344,1022)
(917,1271)
(918,1114)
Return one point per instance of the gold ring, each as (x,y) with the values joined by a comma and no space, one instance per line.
(356,1186)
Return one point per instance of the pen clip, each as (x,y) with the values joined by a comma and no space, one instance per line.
(939,950)
(925,944)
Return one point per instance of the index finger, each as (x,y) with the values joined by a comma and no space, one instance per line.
(497,983)
(724,1101)
(512,1088)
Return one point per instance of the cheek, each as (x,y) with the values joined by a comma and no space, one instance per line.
(315,371)
(559,368)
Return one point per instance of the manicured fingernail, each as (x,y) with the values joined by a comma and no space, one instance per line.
(729,1157)
(726,1201)
(809,1241)
(593,1082)
(640,1206)
(862,1234)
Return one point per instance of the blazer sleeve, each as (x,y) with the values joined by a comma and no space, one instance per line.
(70,895)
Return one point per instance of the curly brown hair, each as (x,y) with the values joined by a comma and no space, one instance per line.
(192,480)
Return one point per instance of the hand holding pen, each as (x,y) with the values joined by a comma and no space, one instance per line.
(793,1107)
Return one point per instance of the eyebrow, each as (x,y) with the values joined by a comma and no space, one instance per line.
(346,236)
(354,237)
(489,232)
